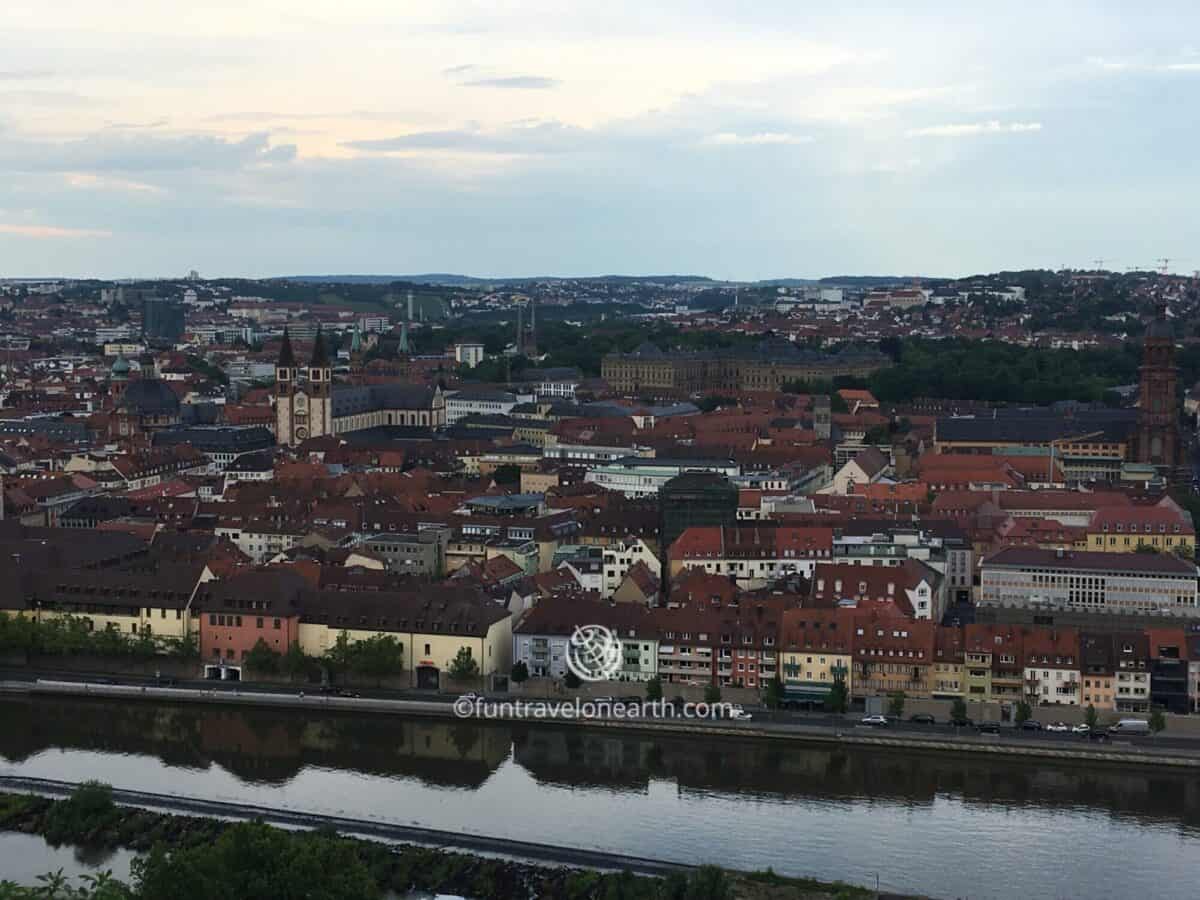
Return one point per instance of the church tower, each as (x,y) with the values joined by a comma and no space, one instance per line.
(285,392)
(320,386)
(1158,417)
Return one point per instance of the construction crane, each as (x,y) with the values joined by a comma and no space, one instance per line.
(1163,262)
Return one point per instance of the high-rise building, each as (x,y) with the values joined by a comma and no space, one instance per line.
(695,498)
(162,320)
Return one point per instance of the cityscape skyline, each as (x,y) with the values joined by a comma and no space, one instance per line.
(742,145)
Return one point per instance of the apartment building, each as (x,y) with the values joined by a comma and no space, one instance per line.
(1052,676)
(815,653)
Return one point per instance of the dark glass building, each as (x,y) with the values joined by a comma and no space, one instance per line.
(695,498)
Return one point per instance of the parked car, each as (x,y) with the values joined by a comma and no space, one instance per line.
(989,727)
(1130,727)
(1058,727)
(1031,725)
(740,715)
(1081,728)
(923,719)
(875,720)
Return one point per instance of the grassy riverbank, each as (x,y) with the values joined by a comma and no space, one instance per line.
(197,858)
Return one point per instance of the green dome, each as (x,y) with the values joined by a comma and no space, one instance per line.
(120,368)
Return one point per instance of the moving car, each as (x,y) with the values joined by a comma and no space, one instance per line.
(1031,725)
(923,719)
(989,727)
(875,720)
(962,723)
(1130,726)
(740,715)
(1081,728)
(1059,727)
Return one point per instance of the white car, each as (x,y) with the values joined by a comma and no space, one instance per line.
(1082,728)
(1061,727)
(876,720)
(740,715)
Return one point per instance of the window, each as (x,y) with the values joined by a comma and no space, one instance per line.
(427,650)
(278,624)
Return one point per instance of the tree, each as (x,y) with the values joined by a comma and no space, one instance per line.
(896,705)
(1158,722)
(1143,547)
(712,693)
(654,689)
(507,474)
(571,680)
(89,808)
(1091,717)
(838,700)
(1184,552)
(1022,713)
(463,665)
(520,672)
(261,659)
(958,709)
(296,663)
(253,861)
(773,696)
(378,656)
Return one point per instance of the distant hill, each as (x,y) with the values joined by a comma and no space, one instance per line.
(449,280)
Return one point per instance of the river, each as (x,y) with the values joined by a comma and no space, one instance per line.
(942,825)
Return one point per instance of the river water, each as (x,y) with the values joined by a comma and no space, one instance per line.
(942,825)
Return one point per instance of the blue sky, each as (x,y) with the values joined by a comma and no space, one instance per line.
(739,140)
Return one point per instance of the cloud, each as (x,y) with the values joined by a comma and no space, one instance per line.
(452,71)
(515,82)
(24,74)
(762,138)
(975,128)
(1183,67)
(51,232)
(142,152)
(89,181)
(523,139)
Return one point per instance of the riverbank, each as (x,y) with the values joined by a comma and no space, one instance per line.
(408,859)
(844,734)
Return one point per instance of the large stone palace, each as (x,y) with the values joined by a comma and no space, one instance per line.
(767,367)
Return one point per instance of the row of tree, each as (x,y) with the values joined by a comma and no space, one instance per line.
(76,636)
(379,656)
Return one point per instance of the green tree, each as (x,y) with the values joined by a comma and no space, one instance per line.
(838,700)
(773,696)
(654,689)
(74,820)
(712,693)
(507,474)
(571,680)
(463,665)
(1158,722)
(295,663)
(261,659)
(958,709)
(1184,552)
(252,861)
(1091,718)
(896,704)
(1022,713)
(520,672)
(378,656)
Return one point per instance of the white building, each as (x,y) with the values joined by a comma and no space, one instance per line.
(469,355)
(622,556)
(642,477)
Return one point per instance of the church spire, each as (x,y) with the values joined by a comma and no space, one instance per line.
(320,358)
(287,359)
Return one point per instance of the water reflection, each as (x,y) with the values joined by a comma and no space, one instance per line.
(936,824)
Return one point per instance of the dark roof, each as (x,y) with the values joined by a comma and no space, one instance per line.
(348,401)
(287,358)
(149,397)
(1134,563)
(1037,426)
(218,438)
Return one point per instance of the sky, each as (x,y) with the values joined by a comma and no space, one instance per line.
(741,140)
